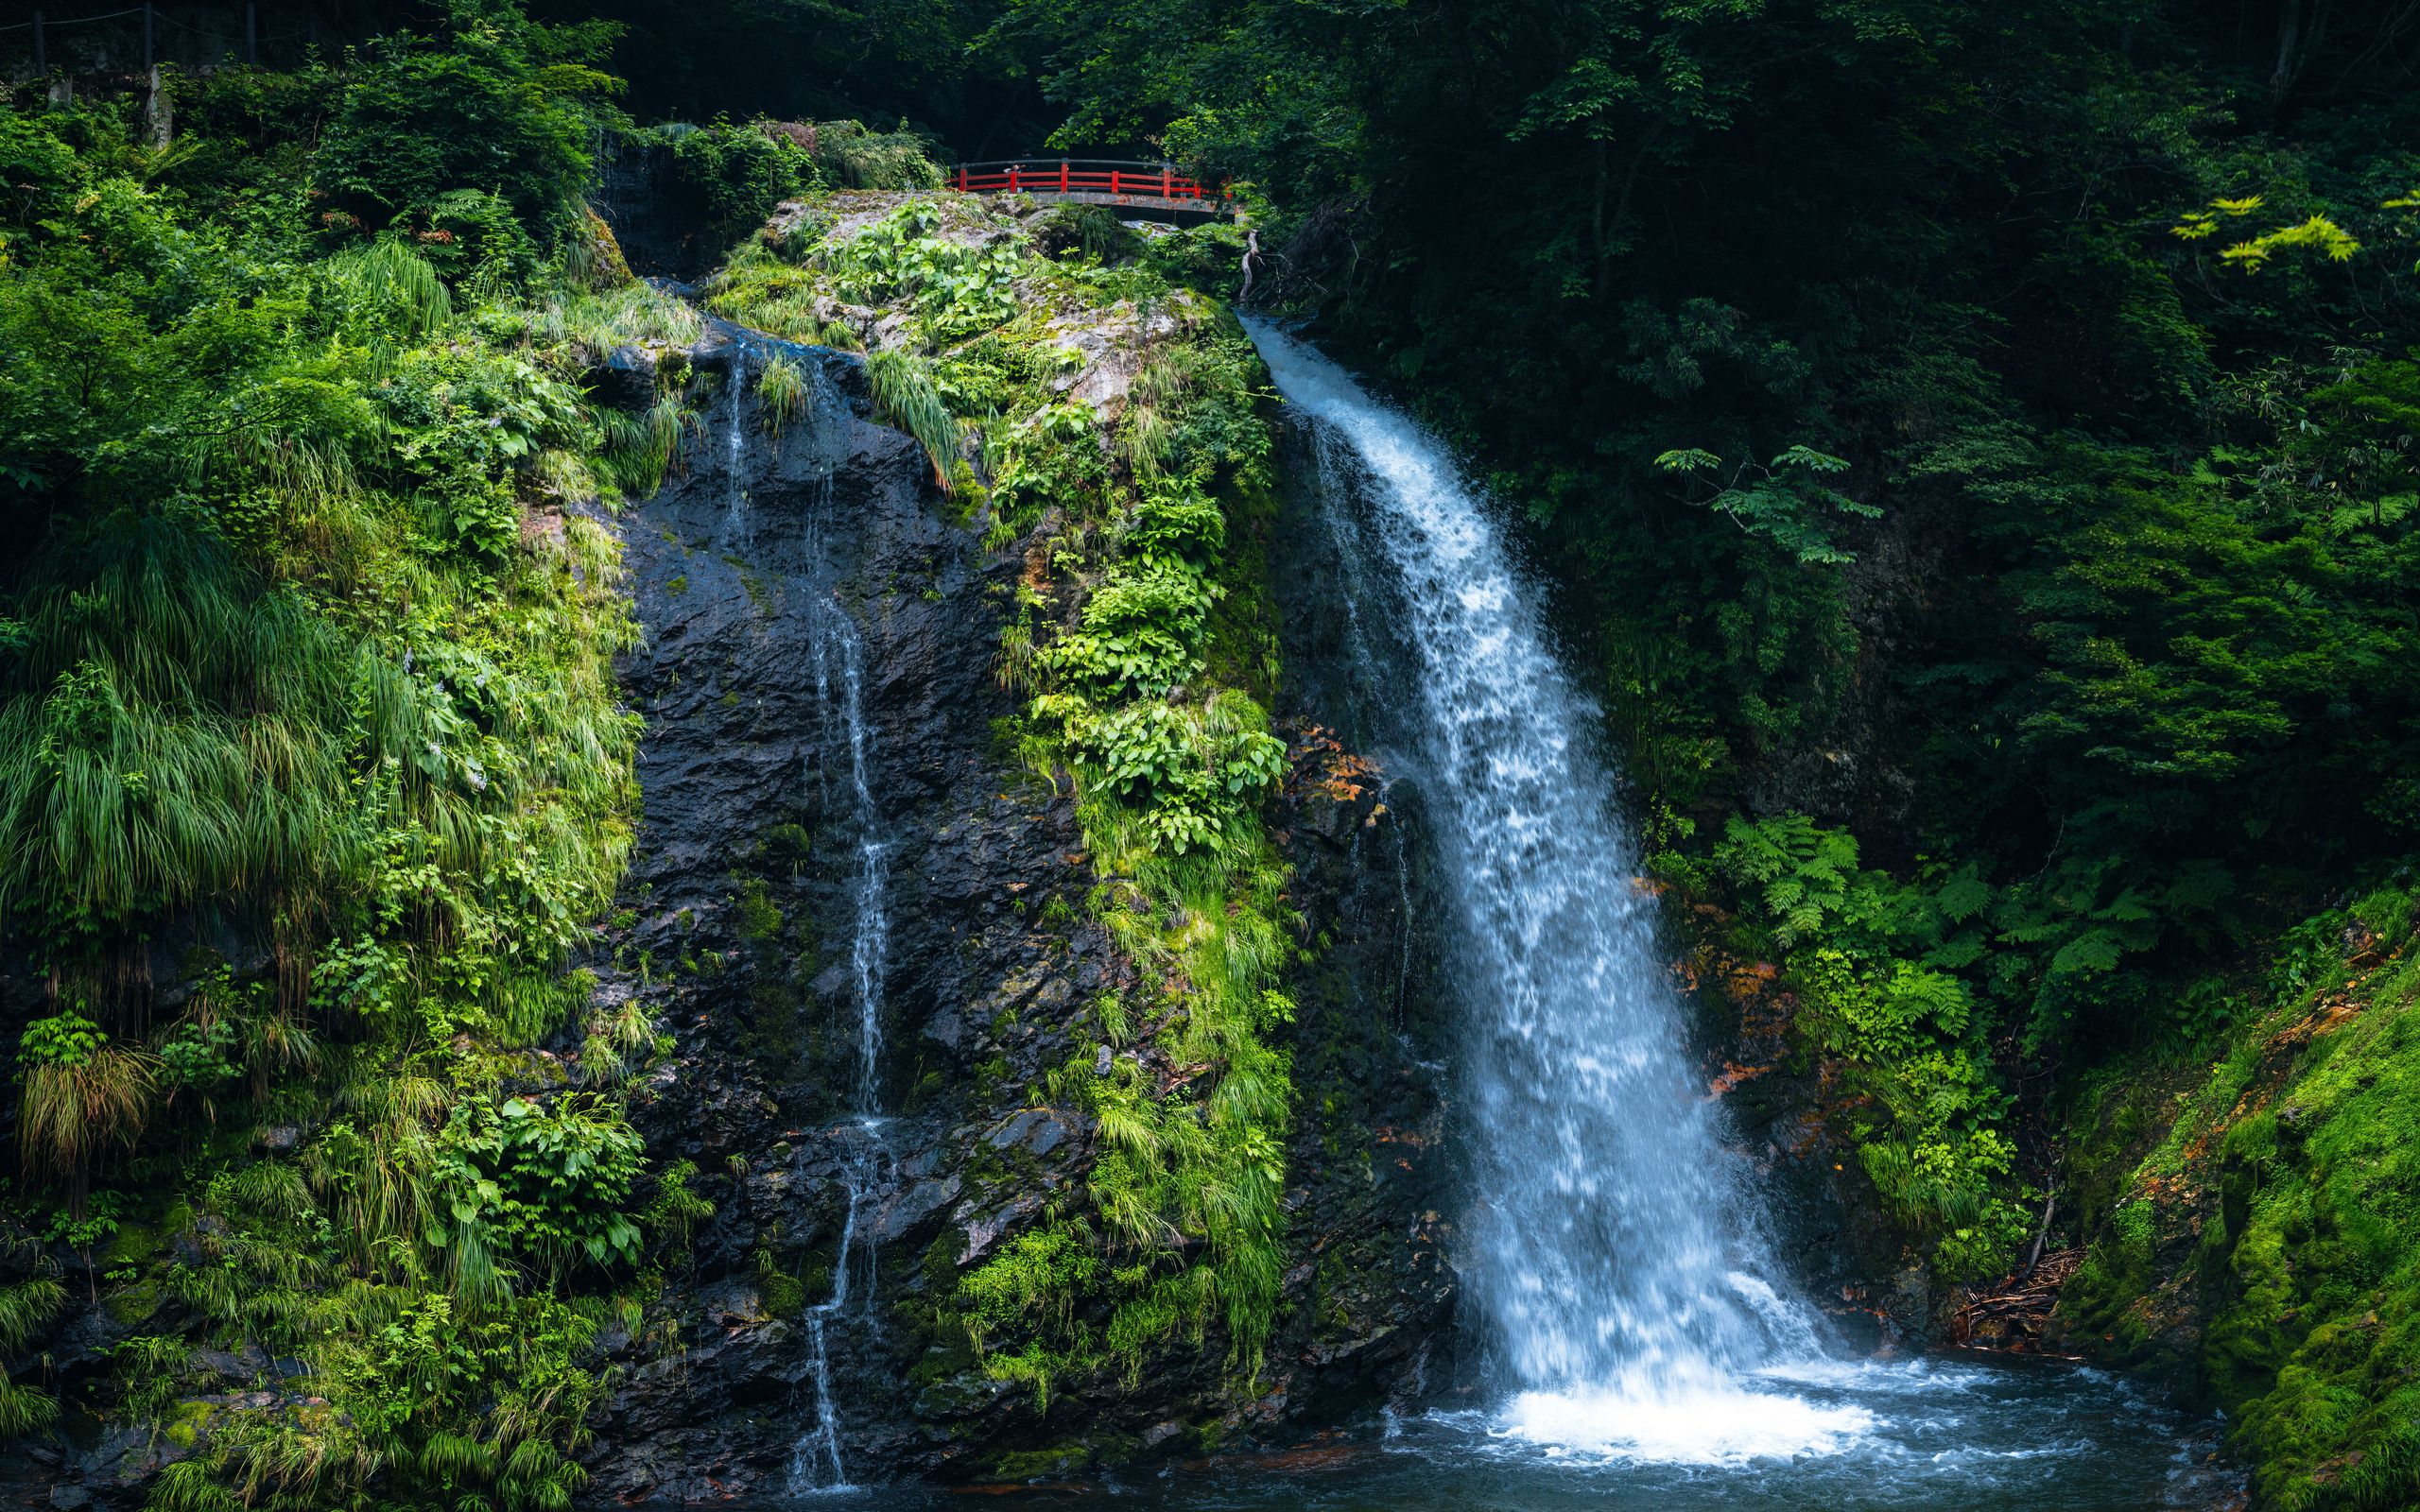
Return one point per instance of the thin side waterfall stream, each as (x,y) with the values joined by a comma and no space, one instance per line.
(836,655)
(816,1463)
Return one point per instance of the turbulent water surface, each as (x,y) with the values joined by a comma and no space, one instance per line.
(1949,1435)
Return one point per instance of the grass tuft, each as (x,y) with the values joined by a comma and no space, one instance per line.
(782,394)
(905,394)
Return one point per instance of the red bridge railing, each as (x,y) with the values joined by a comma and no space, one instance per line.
(1118,178)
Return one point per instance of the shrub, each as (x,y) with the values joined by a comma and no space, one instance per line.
(1085,231)
(551,1183)
(728,178)
(496,104)
(782,393)
(1881,969)
(860,157)
(79,1101)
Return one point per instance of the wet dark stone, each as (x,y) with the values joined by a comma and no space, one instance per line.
(626,379)
(654,221)
(744,754)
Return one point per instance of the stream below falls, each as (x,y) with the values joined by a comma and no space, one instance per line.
(1957,1433)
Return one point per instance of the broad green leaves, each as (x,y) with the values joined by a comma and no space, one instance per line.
(550,1181)
(2318,233)
(955,289)
(1888,976)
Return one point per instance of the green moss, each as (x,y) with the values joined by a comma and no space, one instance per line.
(1063,1458)
(785,1296)
(758,918)
(133,1244)
(753,583)
(787,844)
(2299,1154)
(990,1074)
(2385,913)
(928,1086)
(135,1303)
(189,1423)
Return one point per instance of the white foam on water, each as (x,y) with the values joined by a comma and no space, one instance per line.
(1720,1426)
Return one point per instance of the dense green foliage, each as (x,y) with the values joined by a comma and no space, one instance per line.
(725,179)
(483,135)
(872,61)
(1887,974)
(1133,640)
(1973,443)
(305,695)
(2267,1199)
(1901,378)
(2149,443)
(1976,439)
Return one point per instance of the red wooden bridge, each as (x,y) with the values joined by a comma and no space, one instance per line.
(1116,182)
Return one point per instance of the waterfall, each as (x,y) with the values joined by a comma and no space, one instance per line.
(815,1460)
(1626,1299)
(868,949)
(735,447)
(836,653)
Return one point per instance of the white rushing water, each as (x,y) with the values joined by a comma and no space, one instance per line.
(734,506)
(1631,1310)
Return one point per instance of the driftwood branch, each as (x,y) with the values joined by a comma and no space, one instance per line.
(2033,1256)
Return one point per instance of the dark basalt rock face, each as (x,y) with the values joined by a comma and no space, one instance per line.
(741,920)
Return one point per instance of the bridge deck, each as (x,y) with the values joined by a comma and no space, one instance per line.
(1117,183)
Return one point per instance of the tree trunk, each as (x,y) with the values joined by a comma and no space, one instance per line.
(2296,42)
(159,113)
(2289,27)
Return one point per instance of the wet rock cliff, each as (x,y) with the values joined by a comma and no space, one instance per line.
(864,925)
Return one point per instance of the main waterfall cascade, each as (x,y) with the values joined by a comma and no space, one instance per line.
(1625,1292)
(1633,1321)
